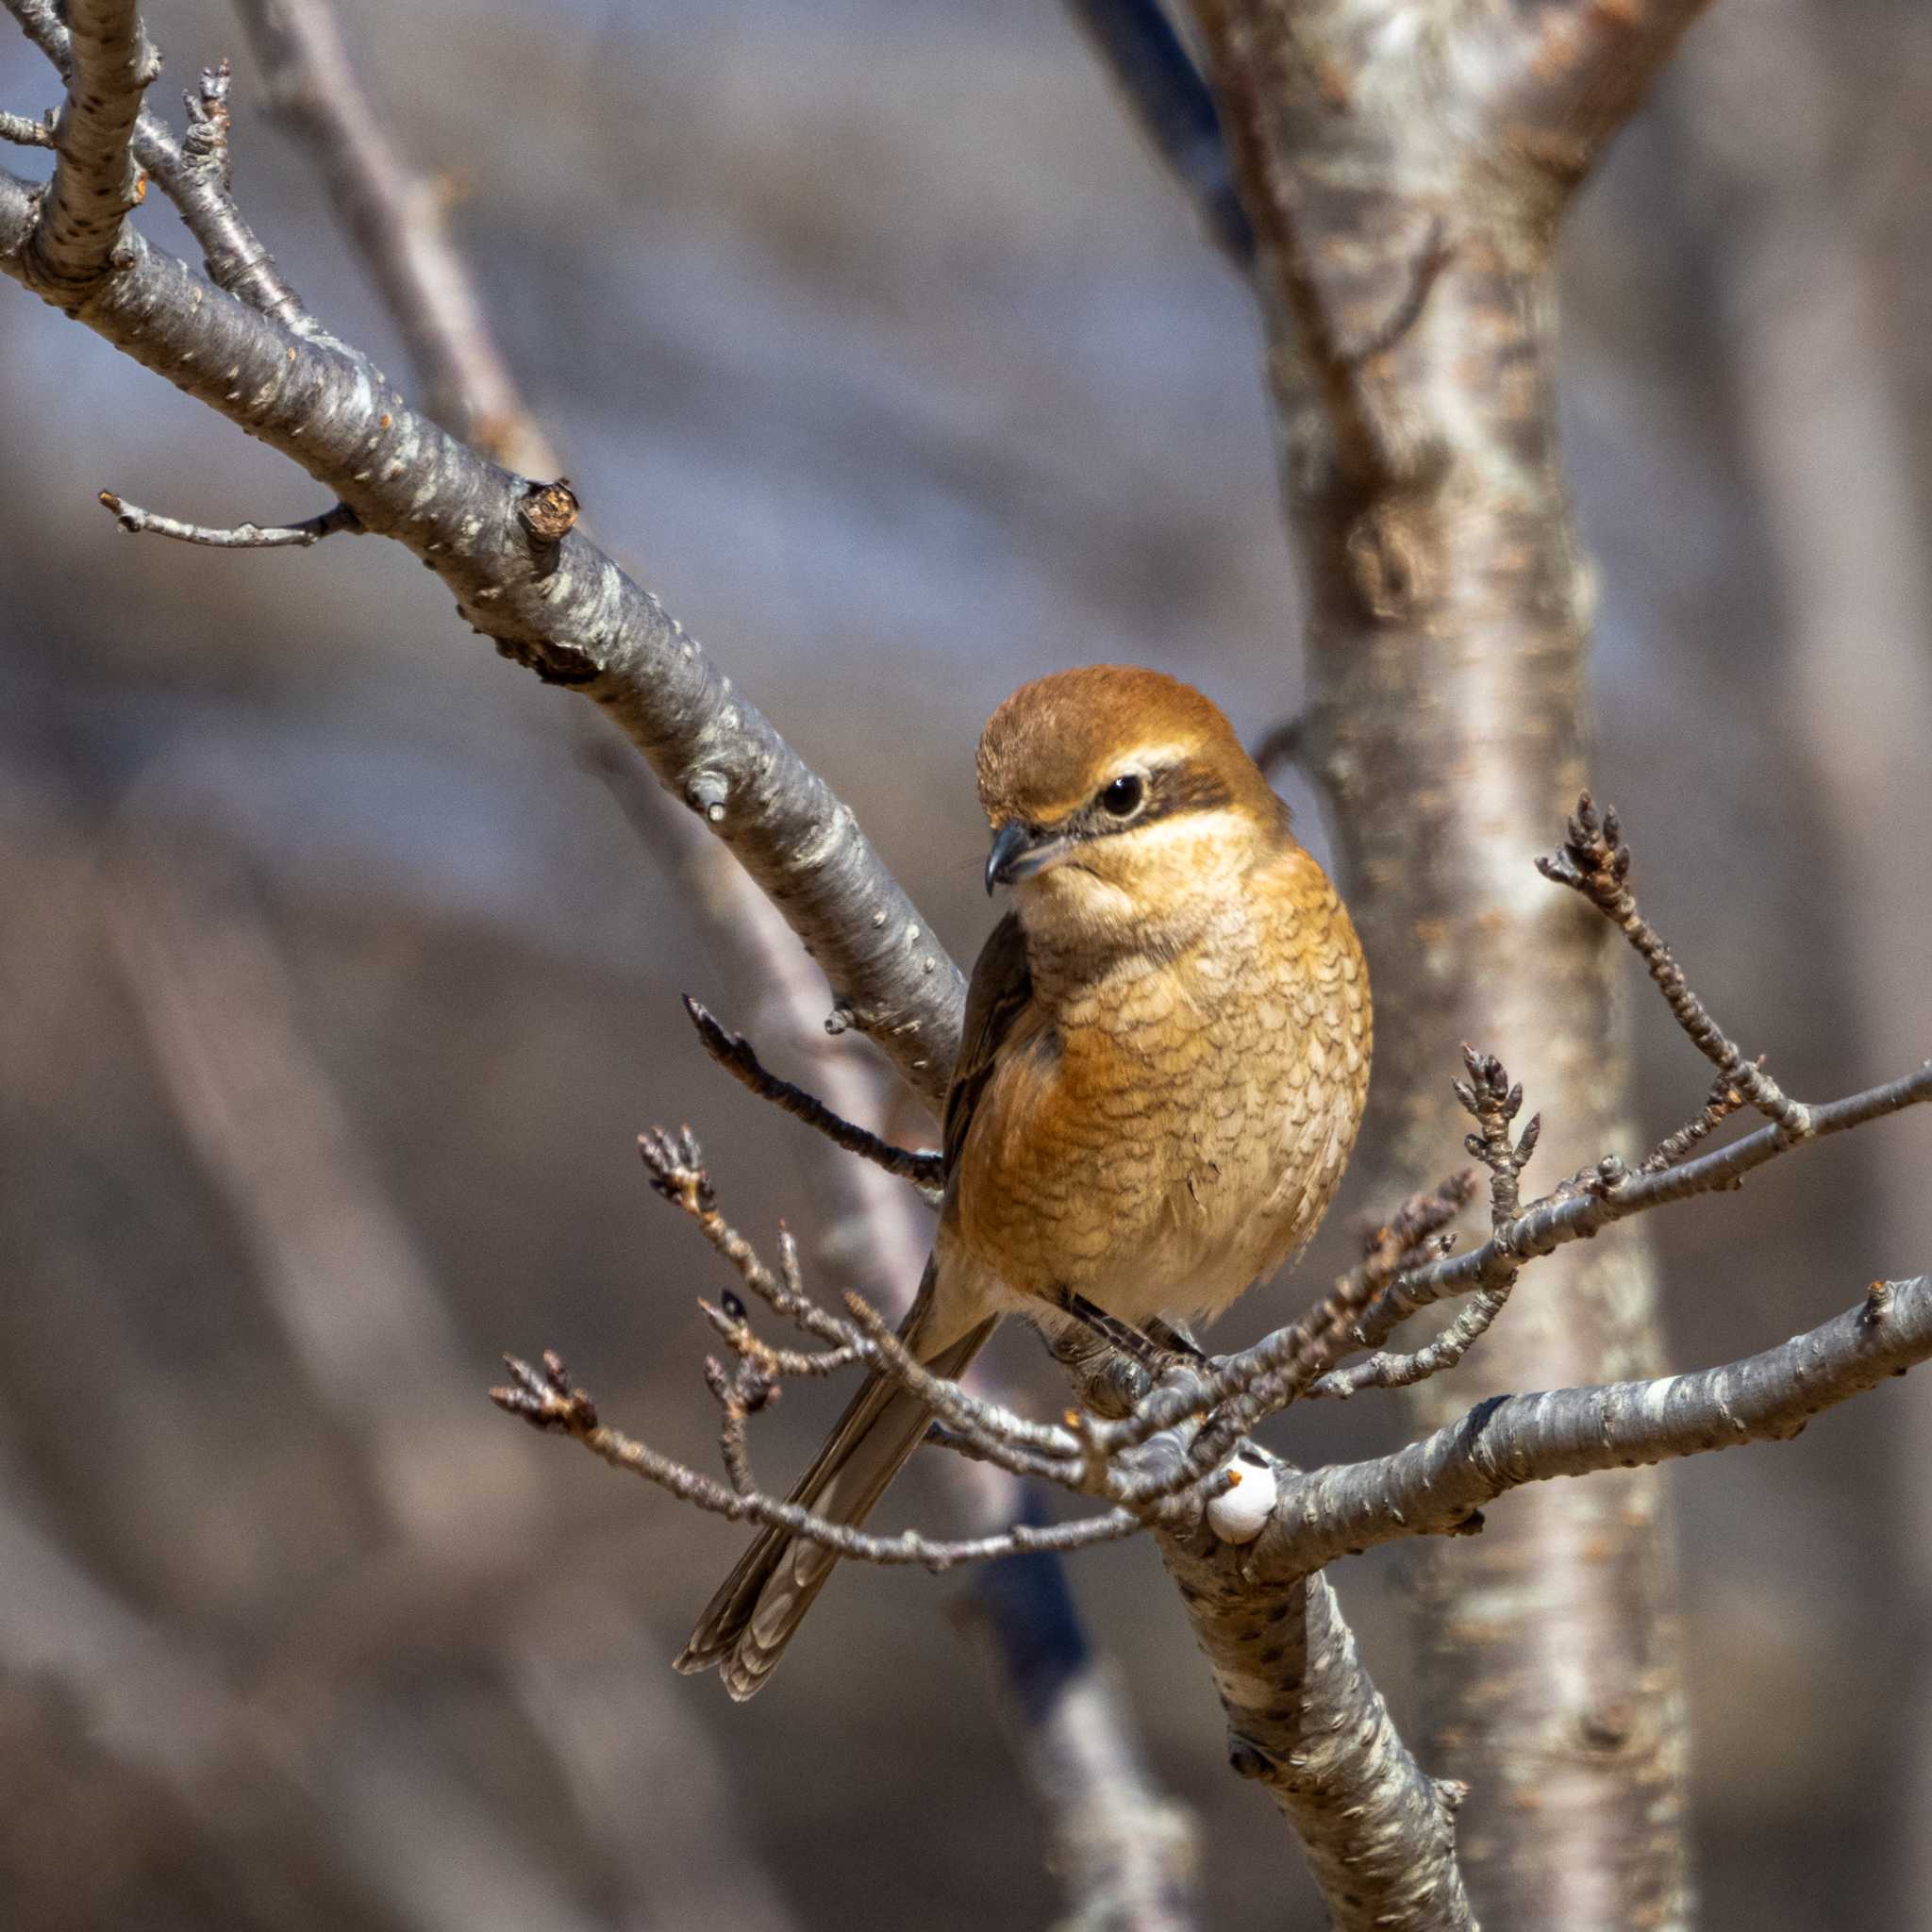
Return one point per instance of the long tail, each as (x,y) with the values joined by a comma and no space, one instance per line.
(760,1607)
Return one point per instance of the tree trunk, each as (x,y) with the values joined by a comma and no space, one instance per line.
(1405,184)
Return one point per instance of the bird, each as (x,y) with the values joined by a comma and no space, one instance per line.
(1164,1061)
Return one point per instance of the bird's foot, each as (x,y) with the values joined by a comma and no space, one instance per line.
(1176,1339)
(1157,1349)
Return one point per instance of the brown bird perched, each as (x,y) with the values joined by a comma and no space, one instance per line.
(1164,1061)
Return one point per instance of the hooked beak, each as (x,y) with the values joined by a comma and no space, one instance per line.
(1019,850)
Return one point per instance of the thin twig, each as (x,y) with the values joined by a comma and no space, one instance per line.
(1492,1100)
(1724,1102)
(132,517)
(1025,1448)
(1559,1219)
(675,1164)
(547,1400)
(804,1363)
(1385,1370)
(1594,861)
(732,1051)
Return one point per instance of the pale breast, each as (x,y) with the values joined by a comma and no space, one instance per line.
(1180,1126)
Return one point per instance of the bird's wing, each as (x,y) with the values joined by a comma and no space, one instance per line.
(998,994)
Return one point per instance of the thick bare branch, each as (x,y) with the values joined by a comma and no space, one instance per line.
(1436,1485)
(95,181)
(567,612)
(1306,1722)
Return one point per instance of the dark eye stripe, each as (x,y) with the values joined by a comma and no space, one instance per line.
(1187,787)
(1172,790)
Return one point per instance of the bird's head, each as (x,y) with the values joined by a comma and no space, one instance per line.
(1121,805)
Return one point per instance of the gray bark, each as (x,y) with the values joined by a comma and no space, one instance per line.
(1406,170)
(566,611)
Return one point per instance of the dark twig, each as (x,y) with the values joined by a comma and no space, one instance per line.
(1169,103)
(1285,744)
(132,517)
(1559,1219)
(1724,1102)
(734,1052)
(1491,1099)
(1594,861)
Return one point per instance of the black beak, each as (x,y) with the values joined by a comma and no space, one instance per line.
(1008,846)
(1020,850)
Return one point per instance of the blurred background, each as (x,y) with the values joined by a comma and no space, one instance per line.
(335,985)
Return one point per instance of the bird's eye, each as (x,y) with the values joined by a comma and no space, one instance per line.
(1121,799)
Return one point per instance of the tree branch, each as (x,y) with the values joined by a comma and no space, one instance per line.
(1559,1219)
(923,1167)
(1435,1485)
(194,176)
(1169,103)
(95,181)
(547,1399)
(1594,862)
(397,223)
(566,611)
(22,131)
(1305,1722)
(136,520)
